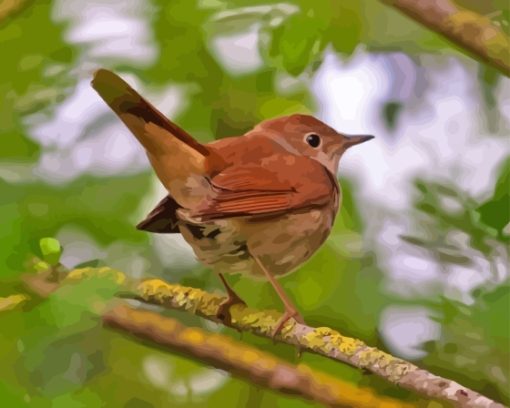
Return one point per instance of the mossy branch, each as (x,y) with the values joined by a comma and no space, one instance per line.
(322,340)
(474,33)
(240,359)
(243,361)
(12,302)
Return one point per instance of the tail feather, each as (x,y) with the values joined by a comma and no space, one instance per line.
(178,159)
(135,111)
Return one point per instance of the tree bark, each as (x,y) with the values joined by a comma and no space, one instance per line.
(322,340)
(467,29)
(243,361)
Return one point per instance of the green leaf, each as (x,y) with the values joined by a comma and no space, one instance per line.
(346,27)
(296,43)
(496,211)
(89,264)
(41,266)
(391,112)
(233,21)
(51,250)
(489,79)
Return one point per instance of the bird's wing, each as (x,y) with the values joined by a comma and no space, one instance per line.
(162,219)
(281,184)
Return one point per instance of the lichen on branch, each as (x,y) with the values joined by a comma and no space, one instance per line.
(243,360)
(322,340)
(473,32)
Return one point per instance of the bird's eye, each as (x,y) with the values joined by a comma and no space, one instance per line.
(313,139)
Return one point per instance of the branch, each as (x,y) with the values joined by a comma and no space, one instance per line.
(469,30)
(12,302)
(321,340)
(10,7)
(242,360)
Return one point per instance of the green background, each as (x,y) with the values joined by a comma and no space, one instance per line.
(55,353)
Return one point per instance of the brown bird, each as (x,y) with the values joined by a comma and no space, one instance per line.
(259,204)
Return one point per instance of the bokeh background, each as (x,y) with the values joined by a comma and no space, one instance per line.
(417,263)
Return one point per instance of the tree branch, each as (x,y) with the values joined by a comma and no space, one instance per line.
(321,340)
(242,360)
(220,351)
(12,302)
(10,7)
(469,30)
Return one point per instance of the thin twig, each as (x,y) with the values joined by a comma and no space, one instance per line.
(471,31)
(12,302)
(243,361)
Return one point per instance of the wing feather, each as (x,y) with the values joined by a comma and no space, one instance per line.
(268,188)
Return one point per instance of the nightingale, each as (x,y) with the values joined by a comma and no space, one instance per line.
(259,204)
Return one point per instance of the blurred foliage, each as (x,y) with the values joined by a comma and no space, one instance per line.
(34,74)
(102,207)
(496,211)
(54,352)
(391,111)
(455,229)
(473,334)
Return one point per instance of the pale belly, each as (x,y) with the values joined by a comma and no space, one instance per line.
(281,243)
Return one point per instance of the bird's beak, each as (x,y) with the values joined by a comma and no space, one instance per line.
(355,140)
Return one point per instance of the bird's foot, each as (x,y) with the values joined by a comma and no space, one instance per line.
(289,314)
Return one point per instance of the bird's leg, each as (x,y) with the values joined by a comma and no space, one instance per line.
(232,299)
(290,309)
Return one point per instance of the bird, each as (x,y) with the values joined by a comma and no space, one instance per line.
(259,204)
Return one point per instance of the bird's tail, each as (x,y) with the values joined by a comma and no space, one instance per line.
(179,160)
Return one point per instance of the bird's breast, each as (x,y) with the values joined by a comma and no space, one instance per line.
(281,242)
(285,243)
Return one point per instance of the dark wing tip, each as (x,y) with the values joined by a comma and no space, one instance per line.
(162,219)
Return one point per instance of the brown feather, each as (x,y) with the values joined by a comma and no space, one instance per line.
(135,111)
(178,160)
(268,188)
(163,218)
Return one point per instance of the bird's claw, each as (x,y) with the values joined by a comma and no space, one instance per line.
(289,314)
